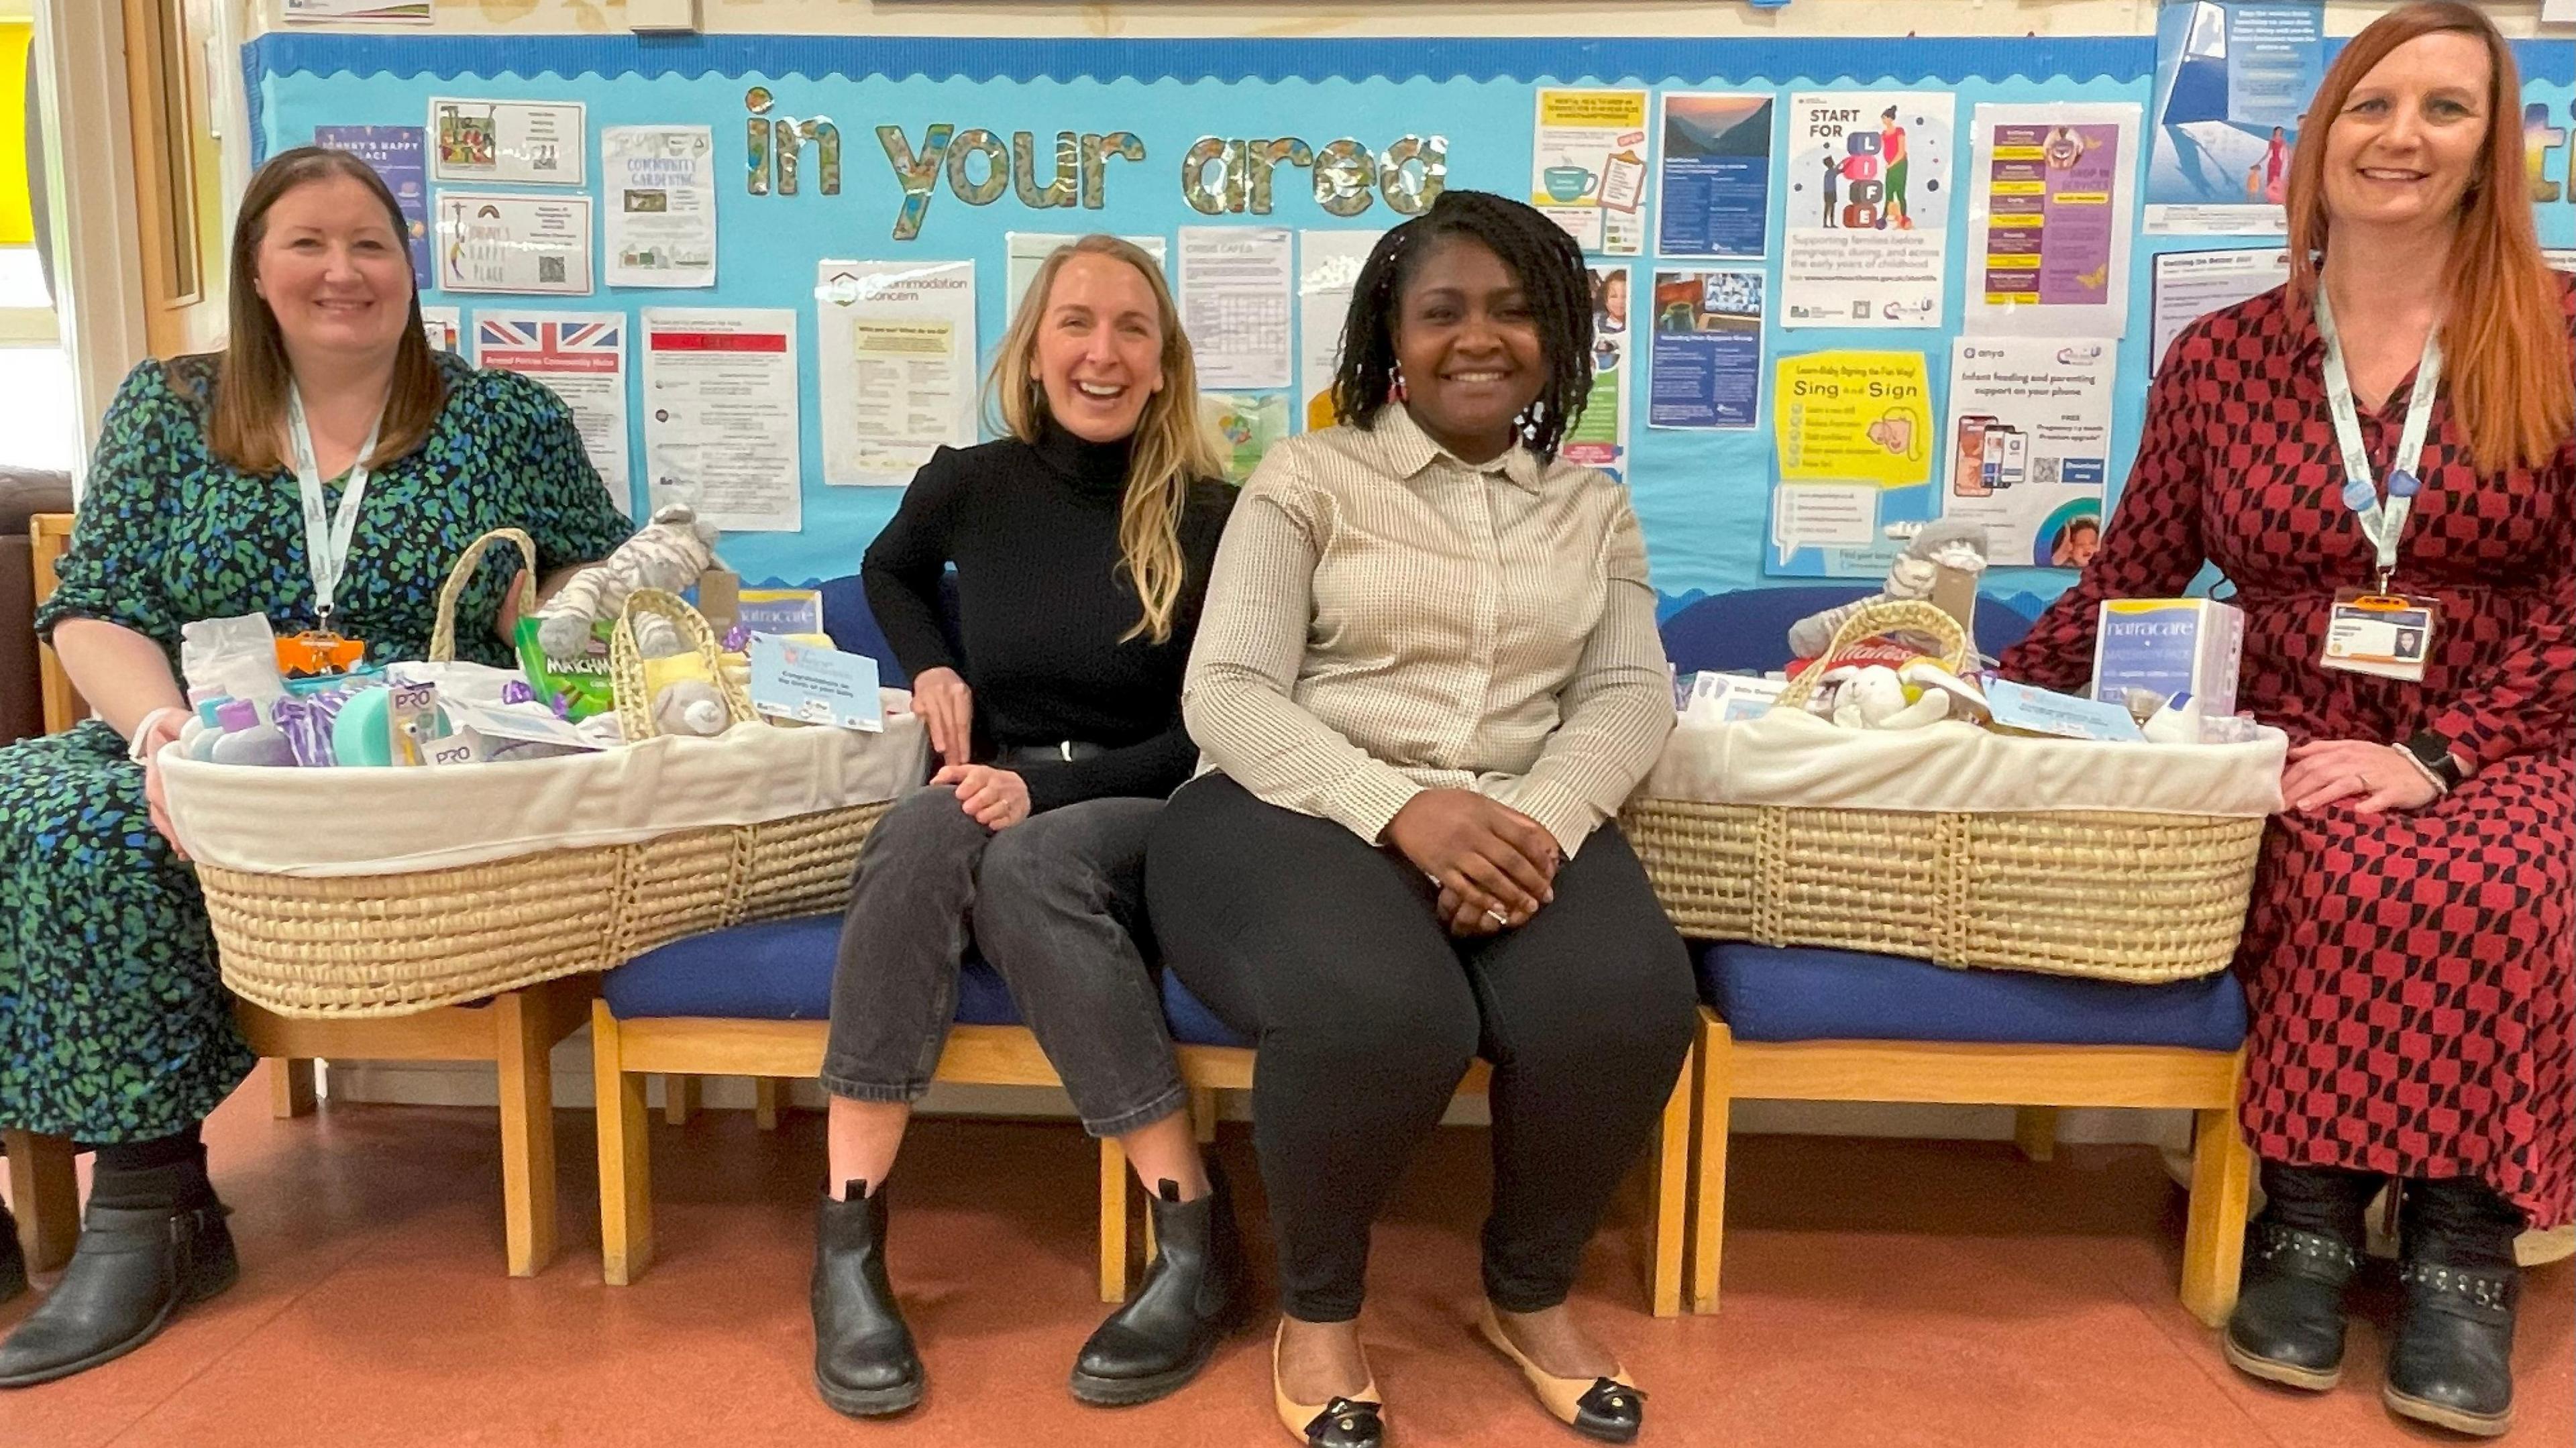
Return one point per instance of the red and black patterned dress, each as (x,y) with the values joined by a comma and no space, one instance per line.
(2410,973)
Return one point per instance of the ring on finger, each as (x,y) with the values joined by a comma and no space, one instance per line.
(1499,918)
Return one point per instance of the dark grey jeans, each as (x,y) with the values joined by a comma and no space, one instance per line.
(1055,903)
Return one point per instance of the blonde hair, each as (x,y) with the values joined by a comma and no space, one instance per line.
(1172,444)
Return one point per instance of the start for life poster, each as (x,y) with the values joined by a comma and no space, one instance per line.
(1869,184)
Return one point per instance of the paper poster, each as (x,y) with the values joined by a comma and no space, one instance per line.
(1598,437)
(581,356)
(1328,269)
(521,142)
(897,377)
(2560,258)
(2233,80)
(1708,350)
(2026,445)
(720,415)
(1714,193)
(397,154)
(1235,288)
(1245,425)
(356,12)
(2048,217)
(1024,252)
(444,327)
(1588,169)
(1850,430)
(660,186)
(1869,205)
(2189,285)
(510,243)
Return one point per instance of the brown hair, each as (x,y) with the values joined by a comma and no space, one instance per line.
(1172,445)
(2504,340)
(246,413)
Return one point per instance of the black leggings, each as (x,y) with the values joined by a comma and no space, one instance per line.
(1297,932)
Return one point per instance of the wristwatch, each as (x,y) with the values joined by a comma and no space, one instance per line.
(2433,751)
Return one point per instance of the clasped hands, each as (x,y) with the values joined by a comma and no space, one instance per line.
(1494,865)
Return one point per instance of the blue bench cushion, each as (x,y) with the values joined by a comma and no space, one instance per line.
(778,970)
(781,970)
(1800,993)
(1193,1024)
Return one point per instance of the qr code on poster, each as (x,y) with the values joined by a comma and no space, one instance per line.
(550,270)
(2045,470)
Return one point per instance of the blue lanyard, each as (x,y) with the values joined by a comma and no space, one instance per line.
(2384,524)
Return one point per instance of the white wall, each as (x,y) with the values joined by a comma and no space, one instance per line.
(1340,17)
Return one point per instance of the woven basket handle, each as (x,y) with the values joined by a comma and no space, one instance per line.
(1890,616)
(442,637)
(626,662)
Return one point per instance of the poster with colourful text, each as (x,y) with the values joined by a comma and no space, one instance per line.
(2048,218)
(1869,205)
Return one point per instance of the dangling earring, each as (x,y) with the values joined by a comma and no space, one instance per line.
(1399,382)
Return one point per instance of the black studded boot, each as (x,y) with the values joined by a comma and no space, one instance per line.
(152,1241)
(2452,1362)
(2300,1256)
(864,1363)
(1166,1332)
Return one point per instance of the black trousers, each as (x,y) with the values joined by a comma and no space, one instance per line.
(1328,950)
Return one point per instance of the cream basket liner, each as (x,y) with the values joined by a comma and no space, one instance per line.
(262,821)
(1790,758)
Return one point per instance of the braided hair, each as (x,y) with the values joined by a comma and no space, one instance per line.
(1553,282)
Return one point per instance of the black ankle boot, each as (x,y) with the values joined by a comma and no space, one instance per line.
(13,1260)
(2452,1362)
(864,1365)
(2300,1256)
(134,1267)
(1165,1333)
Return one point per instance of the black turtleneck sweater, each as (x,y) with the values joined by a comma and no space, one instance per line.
(1041,604)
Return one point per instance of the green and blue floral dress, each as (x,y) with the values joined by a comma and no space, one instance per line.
(114,1024)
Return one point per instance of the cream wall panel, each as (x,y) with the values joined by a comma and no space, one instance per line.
(1328,18)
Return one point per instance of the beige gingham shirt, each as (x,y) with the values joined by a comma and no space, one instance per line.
(1385,619)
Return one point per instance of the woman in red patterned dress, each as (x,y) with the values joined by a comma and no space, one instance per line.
(2408,955)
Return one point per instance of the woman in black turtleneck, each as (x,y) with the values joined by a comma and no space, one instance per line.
(1082,543)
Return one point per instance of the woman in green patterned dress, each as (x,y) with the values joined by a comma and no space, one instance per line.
(115,1029)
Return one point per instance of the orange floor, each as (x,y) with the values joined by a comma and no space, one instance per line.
(1877,1293)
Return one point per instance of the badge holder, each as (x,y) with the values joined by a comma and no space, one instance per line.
(2385,635)
(319,654)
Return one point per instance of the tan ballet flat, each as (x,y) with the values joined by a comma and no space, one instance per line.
(1608,1409)
(1342,1423)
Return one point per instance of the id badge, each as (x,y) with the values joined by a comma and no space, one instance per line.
(315,654)
(2384,635)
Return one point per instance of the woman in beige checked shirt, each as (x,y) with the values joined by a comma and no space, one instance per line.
(1426,676)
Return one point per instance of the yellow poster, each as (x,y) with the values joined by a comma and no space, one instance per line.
(17,220)
(1854,417)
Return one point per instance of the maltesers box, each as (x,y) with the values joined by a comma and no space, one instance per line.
(2169,646)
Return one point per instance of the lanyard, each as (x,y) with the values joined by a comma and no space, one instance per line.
(326,535)
(2384,524)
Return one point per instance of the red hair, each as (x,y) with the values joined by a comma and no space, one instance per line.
(2504,339)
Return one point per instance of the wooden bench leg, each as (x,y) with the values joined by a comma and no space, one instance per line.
(768,1098)
(2213,1244)
(2035,1132)
(1113,1220)
(625,1157)
(1670,1190)
(522,1052)
(1203,1113)
(44,1189)
(290,1087)
(679,1099)
(1708,1190)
